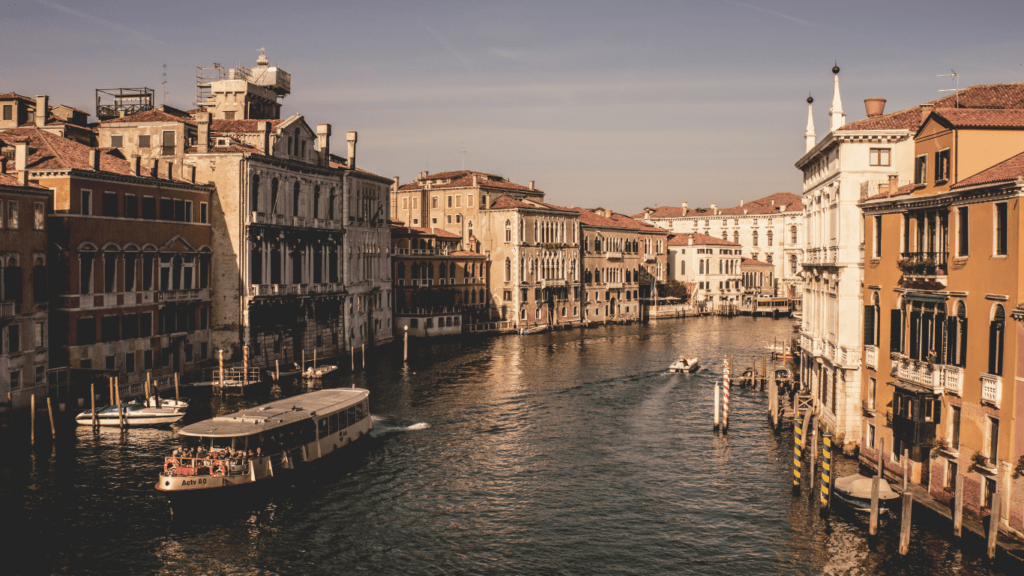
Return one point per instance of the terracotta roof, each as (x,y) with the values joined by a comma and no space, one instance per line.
(415,231)
(503,202)
(752,262)
(16,96)
(150,116)
(1006,171)
(767,205)
(981,118)
(227,149)
(70,108)
(588,218)
(901,191)
(635,224)
(464,179)
(466,254)
(12,180)
(240,125)
(981,96)
(909,119)
(455,175)
(548,205)
(51,152)
(698,239)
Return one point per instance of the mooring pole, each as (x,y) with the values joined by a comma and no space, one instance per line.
(806,428)
(32,420)
(958,507)
(176,396)
(881,465)
(352,355)
(117,393)
(797,455)
(906,467)
(277,370)
(993,525)
(405,348)
(814,457)
(873,522)
(245,367)
(220,363)
(92,392)
(49,408)
(908,508)
(364,355)
(716,405)
(826,471)
(725,396)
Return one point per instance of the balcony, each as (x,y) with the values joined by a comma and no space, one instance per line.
(991,389)
(613,255)
(7,309)
(613,285)
(278,289)
(847,357)
(868,407)
(422,281)
(295,221)
(938,378)
(167,296)
(553,283)
(926,266)
(324,288)
(650,258)
(913,432)
(875,187)
(871,357)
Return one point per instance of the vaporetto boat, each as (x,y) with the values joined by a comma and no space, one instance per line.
(256,444)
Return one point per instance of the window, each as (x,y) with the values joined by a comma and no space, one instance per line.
(450,201)
(508,230)
(871,436)
(147,360)
(755,237)
(469,200)
(86,202)
(458,200)
(110,327)
(896,330)
(15,379)
(876,248)
(792,234)
(131,206)
(792,264)
(40,216)
(167,149)
(129,362)
(963,229)
(951,472)
(8,111)
(145,325)
(85,330)
(878,157)
(1001,232)
(143,141)
(166,209)
(954,423)
(921,170)
(110,204)
(942,165)
(39,334)
(117,141)
(229,114)
(993,440)
(203,212)
(449,219)
(996,331)
(149,208)
(13,339)
(433,202)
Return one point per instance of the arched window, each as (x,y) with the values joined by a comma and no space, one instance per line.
(451,269)
(273,196)
(469,229)
(400,270)
(522,231)
(508,230)
(702,266)
(330,205)
(295,199)
(508,269)
(771,236)
(996,339)
(792,234)
(316,201)
(755,237)
(682,267)
(736,236)
(254,194)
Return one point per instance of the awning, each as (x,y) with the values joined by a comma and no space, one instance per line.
(926,297)
(912,388)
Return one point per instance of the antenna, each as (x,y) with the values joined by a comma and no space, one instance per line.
(956,90)
(164,83)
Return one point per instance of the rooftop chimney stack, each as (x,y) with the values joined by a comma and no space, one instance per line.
(154,168)
(926,109)
(323,136)
(874,106)
(264,129)
(136,164)
(21,162)
(170,169)
(3,164)
(203,120)
(42,106)
(94,159)
(894,184)
(189,173)
(531,184)
(397,184)
(351,138)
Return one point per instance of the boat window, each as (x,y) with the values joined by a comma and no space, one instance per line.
(323,427)
(334,424)
(221,443)
(360,412)
(351,415)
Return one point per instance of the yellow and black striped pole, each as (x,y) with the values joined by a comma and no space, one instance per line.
(798,434)
(826,471)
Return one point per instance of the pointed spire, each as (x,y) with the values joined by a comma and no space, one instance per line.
(809,137)
(836,117)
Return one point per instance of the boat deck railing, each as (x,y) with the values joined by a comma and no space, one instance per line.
(177,466)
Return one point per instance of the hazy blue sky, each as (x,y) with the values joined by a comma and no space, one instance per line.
(614,104)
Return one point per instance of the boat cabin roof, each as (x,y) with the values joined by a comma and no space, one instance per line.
(277,413)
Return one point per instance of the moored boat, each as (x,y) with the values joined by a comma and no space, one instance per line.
(855,492)
(254,445)
(318,372)
(137,413)
(685,364)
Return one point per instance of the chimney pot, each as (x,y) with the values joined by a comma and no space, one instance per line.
(136,164)
(894,184)
(170,169)
(323,136)
(397,184)
(42,107)
(203,120)
(120,113)
(21,156)
(94,159)
(874,106)
(264,135)
(926,109)
(351,138)
(154,168)
(531,184)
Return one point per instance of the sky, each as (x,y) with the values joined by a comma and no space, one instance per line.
(618,105)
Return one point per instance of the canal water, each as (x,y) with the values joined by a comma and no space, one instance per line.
(565,453)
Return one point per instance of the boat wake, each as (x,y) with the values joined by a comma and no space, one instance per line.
(386,429)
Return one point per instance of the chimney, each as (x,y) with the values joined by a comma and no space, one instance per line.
(773,202)
(714,208)
(3,164)
(189,173)
(741,202)
(874,106)
(170,169)
(894,184)
(21,161)
(351,138)
(926,109)
(531,184)
(136,164)
(323,136)
(264,129)
(120,113)
(94,159)
(203,120)
(154,168)
(397,184)
(42,106)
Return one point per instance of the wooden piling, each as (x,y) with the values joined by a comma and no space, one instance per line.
(32,419)
(405,356)
(716,405)
(314,359)
(906,467)
(352,356)
(49,408)
(146,389)
(303,361)
(220,361)
(176,396)
(806,428)
(958,507)
(873,522)
(364,355)
(908,508)
(277,370)
(881,464)
(92,393)
(993,525)
(117,394)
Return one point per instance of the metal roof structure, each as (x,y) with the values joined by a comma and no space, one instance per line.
(277,413)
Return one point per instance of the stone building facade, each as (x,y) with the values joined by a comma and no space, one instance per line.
(711,265)
(610,256)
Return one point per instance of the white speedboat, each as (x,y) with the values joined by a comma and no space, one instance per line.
(685,364)
(855,492)
(319,372)
(136,413)
(254,445)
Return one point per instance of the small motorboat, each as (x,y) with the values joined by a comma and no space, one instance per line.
(749,377)
(317,373)
(533,330)
(685,364)
(136,413)
(855,492)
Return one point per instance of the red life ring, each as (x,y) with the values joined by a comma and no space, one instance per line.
(170,463)
(218,465)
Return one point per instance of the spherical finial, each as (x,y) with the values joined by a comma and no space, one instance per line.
(810,98)
(835,69)
(262,60)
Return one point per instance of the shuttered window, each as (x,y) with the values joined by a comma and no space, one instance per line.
(896,331)
(869,326)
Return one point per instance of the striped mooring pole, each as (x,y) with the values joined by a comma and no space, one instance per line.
(245,366)
(725,395)
(826,469)
(798,434)
(220,363)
